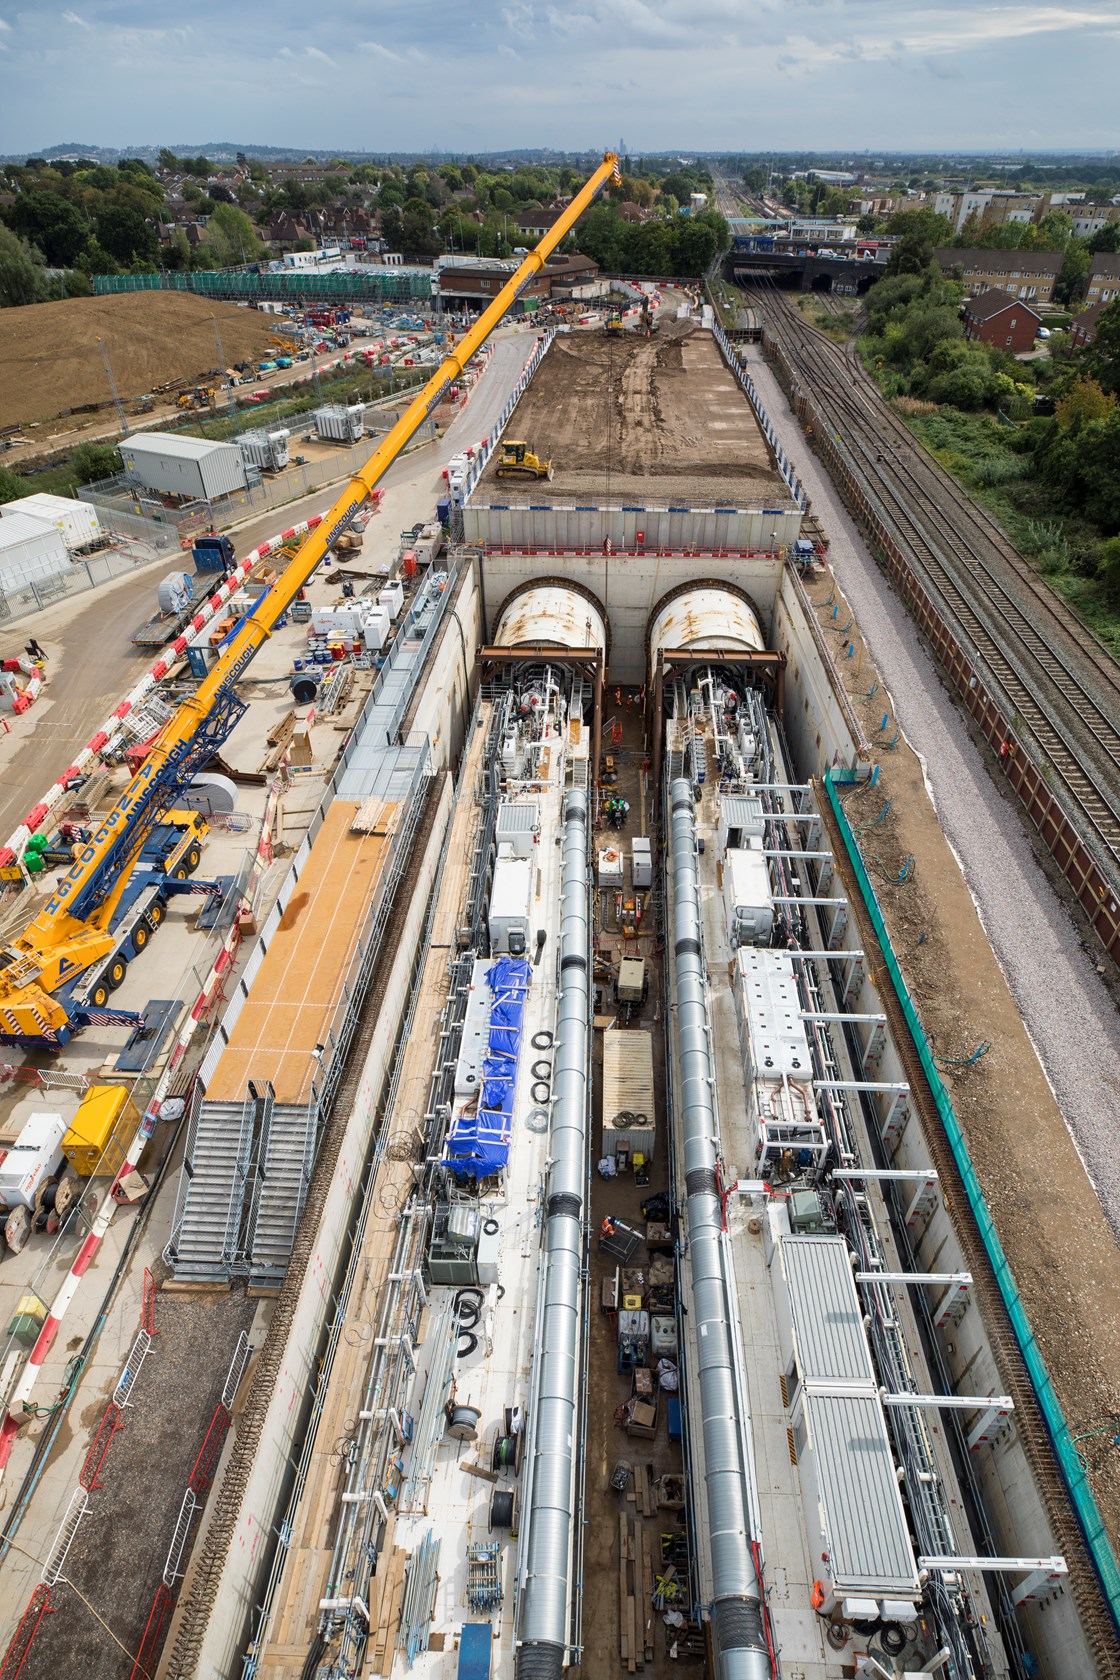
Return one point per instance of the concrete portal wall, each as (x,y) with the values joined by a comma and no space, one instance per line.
(819,734)
(239,1586)
(630,586)
(703,530)
(445,690)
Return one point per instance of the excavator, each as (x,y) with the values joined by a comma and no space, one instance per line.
(56,976)
(519,461)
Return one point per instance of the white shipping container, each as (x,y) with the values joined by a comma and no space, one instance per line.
(76,520)
(31,551)
(511,899)
(343,620)
(747,897)
(32,1159)
(195,468)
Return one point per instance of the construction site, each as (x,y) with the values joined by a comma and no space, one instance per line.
(531,1212)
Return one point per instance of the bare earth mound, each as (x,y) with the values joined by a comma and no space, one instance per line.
(50,360)
(653,417)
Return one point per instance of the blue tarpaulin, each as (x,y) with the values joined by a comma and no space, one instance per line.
(478,1143)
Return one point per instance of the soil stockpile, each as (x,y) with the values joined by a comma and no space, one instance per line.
(50,360)
(657,417)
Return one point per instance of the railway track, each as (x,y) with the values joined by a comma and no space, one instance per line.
(1060,683)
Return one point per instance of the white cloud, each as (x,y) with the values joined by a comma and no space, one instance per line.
(324,58)
(72,17)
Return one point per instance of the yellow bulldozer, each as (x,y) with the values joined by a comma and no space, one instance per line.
(519,461)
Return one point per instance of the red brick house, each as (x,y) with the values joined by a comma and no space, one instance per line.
(997,318)
(1083,327)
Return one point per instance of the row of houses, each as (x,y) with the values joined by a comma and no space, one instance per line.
(999,207)
(1030,275)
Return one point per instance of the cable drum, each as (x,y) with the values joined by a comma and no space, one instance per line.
(541,1070)
(501,1508)
(462,1422)
(542,1041)
(491,1227)
(537,1120)
(468,1308)
(540,1091)
(505,1453)
(468,1341)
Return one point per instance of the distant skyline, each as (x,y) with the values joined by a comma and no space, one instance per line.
(735,75)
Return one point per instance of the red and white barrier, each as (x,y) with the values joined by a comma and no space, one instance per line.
(103,1218)
(89,755)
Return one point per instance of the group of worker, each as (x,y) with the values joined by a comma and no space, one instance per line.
(616,810)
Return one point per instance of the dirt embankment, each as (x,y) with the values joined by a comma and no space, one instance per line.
(50,354)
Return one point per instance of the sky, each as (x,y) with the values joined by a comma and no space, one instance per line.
(689,75)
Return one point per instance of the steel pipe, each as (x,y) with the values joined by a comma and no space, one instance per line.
(544,1570)
(737,1612)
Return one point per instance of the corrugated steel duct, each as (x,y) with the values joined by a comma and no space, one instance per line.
(544,1606)
(740,1637)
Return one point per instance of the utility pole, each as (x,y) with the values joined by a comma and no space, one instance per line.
(235,415)
(125,432)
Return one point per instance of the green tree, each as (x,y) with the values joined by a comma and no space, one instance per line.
(1083,402)
(232,237)
(1106,239)
(95,259)
(12,487)
(21,278)
(96,460)
(919,233)
(51,223)
(1103,356)
(1073,276)
(125,234)
(167,160)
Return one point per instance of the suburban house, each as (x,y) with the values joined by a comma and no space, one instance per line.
(997,318)
(1104,279)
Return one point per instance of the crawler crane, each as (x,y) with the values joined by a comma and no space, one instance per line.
(55,977)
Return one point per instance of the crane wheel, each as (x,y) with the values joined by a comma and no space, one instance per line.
(181,873)
(141,934)
(99,997)
(155,915)
(193,859)
(115,973)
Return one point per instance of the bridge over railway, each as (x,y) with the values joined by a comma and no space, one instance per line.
(806,271)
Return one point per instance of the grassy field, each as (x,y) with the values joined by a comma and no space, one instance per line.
(1064,550)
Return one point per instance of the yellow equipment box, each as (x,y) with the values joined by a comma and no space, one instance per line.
(101,1131)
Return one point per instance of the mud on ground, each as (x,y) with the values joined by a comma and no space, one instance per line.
(1062,1251)
(118,1555)
(656,417)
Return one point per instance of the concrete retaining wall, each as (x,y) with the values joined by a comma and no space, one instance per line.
(548,527)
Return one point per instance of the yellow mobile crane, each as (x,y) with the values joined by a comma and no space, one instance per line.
(56,976)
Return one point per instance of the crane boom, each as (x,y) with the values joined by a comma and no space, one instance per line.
(69,933)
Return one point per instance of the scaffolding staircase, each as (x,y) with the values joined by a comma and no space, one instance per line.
(246,1172)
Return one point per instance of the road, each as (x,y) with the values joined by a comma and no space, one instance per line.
(92,663)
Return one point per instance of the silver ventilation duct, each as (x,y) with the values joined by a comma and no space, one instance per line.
(740,1637)
(545,1569)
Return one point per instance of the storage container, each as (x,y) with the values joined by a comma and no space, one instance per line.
(510,904)
(77,521)
(31,551)
(628,1096)
(747,897)
(101,1131)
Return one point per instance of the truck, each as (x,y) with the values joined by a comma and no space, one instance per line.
(175,609)
(213,553)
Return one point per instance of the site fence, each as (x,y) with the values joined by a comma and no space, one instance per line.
(1072,1469)
(297,285)
(136,547)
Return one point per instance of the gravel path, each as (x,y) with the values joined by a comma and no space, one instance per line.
(1064,1003)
